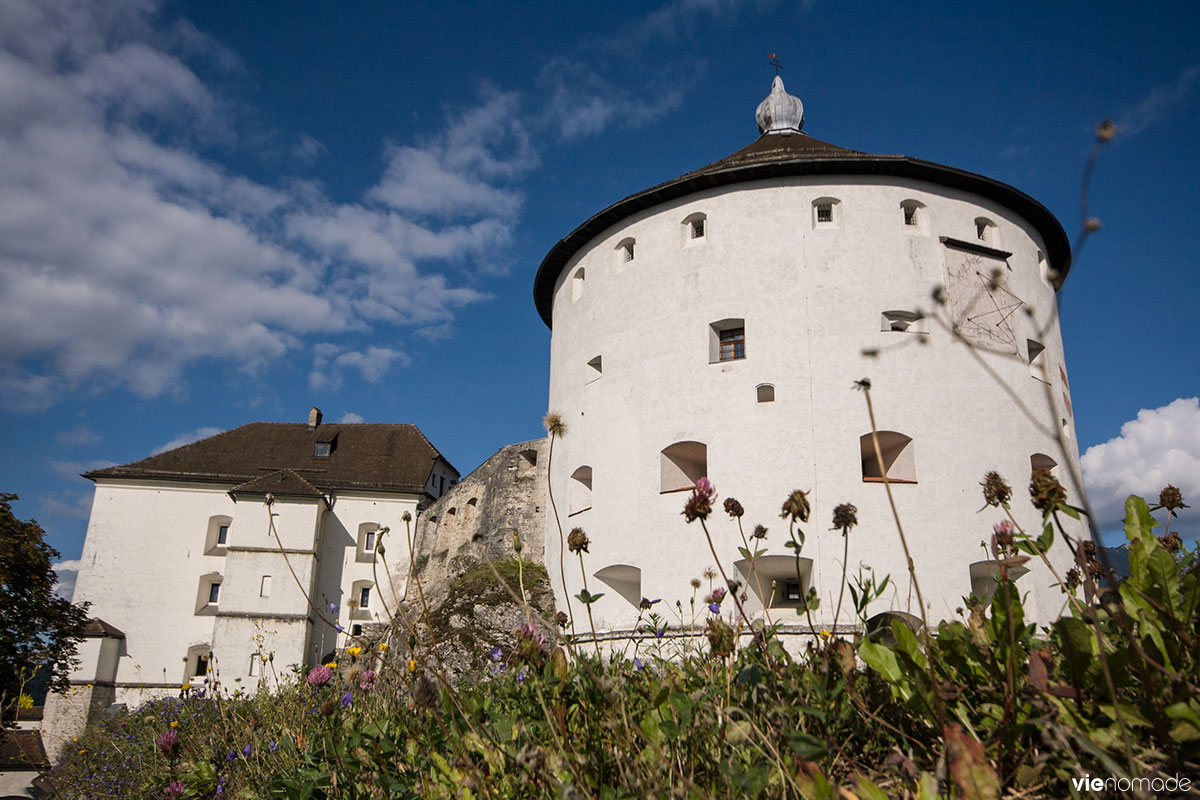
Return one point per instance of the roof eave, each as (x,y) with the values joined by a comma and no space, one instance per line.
(1057,245)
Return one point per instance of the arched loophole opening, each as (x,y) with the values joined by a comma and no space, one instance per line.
(681,465)
(896,449)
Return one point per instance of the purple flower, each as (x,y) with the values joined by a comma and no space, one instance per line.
(347,700)
(168,742)
(333,608)
(246,750)
(718,594)
(497,653)
(273,746)
(174,789)
(338,628)
(714,608)
(637,664)
(366,680)
(319,676)
(230,756)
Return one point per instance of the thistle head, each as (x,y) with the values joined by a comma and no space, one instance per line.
(733,508)
(1045,490)
(845,517)
(577,541)
(796,506)
(554,425)
(995,491)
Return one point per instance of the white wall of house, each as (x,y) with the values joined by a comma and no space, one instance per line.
(151,556)
(812,296)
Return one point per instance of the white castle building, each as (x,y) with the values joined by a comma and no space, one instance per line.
(712,326)
(716,324)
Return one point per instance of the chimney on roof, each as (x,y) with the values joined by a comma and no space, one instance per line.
(314,418)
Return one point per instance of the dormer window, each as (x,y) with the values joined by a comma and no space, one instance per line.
(324,449)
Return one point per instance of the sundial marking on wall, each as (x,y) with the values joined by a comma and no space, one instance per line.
(980,305)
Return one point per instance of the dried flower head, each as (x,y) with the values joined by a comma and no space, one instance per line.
(577,541)
(1073,578)
(733,508)
(562,619)
(1105,131)
(555,425)
(699,504)
(845,517)
(720,637)
(425,692)
(1045,490)
(995,491)
(759,532)
(1171,499)
(709,573)
(796,506)
(695,583)
(1172,541)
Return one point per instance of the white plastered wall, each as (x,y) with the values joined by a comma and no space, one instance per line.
(812,298)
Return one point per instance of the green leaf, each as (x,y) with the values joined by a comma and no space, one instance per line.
(1164,572)
(867,790)
(884,661)
(1139,523)
(906,640)
(745,553)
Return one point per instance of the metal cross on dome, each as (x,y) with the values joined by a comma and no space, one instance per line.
(775,63)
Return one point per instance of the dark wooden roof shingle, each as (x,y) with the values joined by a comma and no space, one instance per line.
(364,456)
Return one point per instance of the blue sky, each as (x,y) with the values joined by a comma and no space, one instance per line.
(218,212)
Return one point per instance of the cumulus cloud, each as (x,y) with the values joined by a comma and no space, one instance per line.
(187,438)
(67,572)
(77,436)
(1161,446)
(125,256)
(330,362)
(350,418)
(69,504)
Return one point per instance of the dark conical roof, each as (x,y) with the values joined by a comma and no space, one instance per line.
(785,154)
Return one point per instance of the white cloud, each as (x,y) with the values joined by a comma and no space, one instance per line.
(125,256)
(307,149)
(187,438)
(583,103)
(73,469)
(67,572)
(350,418)
(1161,101)
(1161,446)
(79,435)
(69,504)
(331,361)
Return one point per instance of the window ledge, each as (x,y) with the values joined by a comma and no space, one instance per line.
(889,480)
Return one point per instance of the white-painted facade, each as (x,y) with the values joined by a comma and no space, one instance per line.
(832,279)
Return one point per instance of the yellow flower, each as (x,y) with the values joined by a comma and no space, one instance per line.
(81,752)
(332,665)
(354,652)
(264,659)
(24,701)
(383,647)
(412,665)
(826,634)
(174,723)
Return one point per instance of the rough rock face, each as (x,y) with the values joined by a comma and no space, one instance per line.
(465,555)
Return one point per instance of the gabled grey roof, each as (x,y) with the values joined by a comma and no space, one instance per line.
(364,456)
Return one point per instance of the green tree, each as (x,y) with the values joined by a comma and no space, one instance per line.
(39,632)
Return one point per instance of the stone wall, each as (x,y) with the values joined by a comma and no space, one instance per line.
(464,554)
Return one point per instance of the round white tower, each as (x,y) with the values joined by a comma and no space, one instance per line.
(715,325)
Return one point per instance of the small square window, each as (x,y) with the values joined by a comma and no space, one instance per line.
(824,212)
(364,597)
(910,215)
(214,592)
(369,541)
(324,449)
(222,534)
(697,228)
(733,344)
(356,630)
(791,591)
(255,661)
